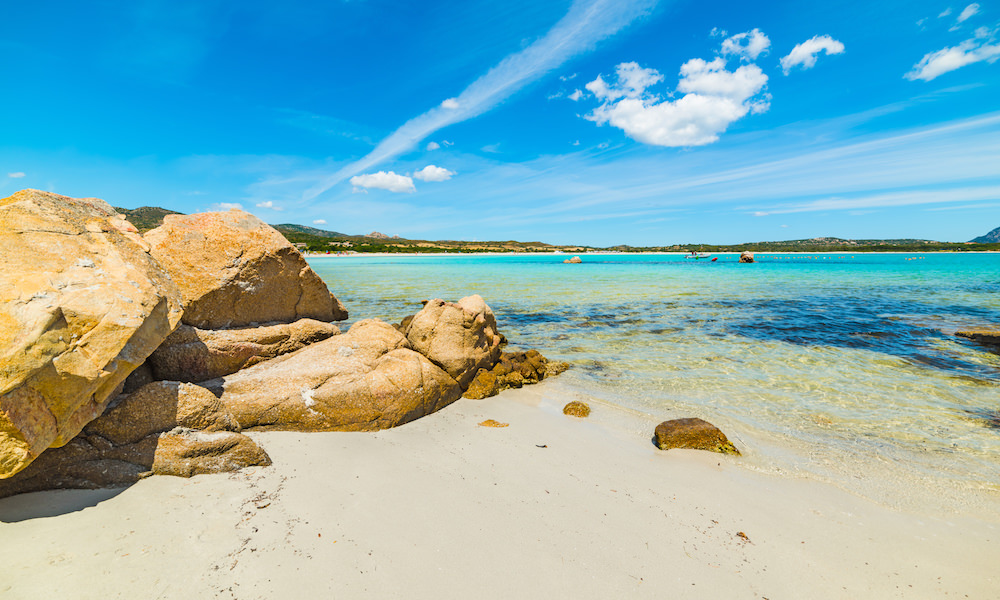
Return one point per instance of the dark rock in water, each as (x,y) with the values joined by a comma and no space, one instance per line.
(693,433)
(746,257)
(513,370)
(164,428)
(985,336)
(577,409)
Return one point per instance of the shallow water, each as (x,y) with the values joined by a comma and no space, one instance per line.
(837,366)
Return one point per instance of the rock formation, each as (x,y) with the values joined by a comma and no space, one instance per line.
(460,337)
(192,354)
(81,305)
(513,370)
(165,428)
(575,260)
(693,433)
(746,257)
(235,270)
(366,379)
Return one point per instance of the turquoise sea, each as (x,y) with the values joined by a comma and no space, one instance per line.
(839,367)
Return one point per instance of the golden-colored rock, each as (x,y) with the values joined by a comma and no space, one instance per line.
(493,423)
(164,428)
(234,270)
(363,380)
(513,370)
(460,337)
(693,433)
(577,409)
(192,354)
(81,305)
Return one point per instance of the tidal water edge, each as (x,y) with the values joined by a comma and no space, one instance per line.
(835,366)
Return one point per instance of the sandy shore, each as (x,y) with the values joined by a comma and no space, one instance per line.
(549,507)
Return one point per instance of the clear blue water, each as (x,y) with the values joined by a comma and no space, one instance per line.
(838,366)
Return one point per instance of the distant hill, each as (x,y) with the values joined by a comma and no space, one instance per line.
(146,217)
(287,229)
(992,237)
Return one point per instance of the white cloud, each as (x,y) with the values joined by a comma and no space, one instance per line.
(319,222)
(450,104)
(805,53)
(576,95)
(748,45)
(433,145)
(433,173)
(945,13)
(16,175)
(268,204)
(935,64)
(716,32)
(228,206)
(567,77)
(383,180)
(586,23)
(969,11)
(491,148)
(714,97)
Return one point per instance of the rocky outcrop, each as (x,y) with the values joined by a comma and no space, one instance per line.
(693,433)
(366,379)
(165,428)
(192,354)
(573,261)
(81,305)
(235,270)
(746,257)
(460,337)
(983,336)
(513,370)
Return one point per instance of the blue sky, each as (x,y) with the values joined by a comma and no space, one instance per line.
(596,121)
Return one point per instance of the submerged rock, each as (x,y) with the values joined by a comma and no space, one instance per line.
(192,354)
(81,305)
(693,433)
(235,270)
(984,336)
(164,428)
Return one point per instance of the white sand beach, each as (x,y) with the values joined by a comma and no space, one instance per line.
(550,506)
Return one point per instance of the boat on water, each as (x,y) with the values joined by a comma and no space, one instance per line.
(697,255)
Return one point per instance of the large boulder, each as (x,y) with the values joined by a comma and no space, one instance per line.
(460,337)
(165,428)
(192,354)
(81,305)
(235,270)
(983,336)
(366,379)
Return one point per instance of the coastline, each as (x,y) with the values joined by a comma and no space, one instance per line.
(569,254)
(440,507)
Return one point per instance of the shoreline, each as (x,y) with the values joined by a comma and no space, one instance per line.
(581,254)
(434,508)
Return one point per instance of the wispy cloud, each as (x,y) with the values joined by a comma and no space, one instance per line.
(586,23)
(982,47)
(16,175)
